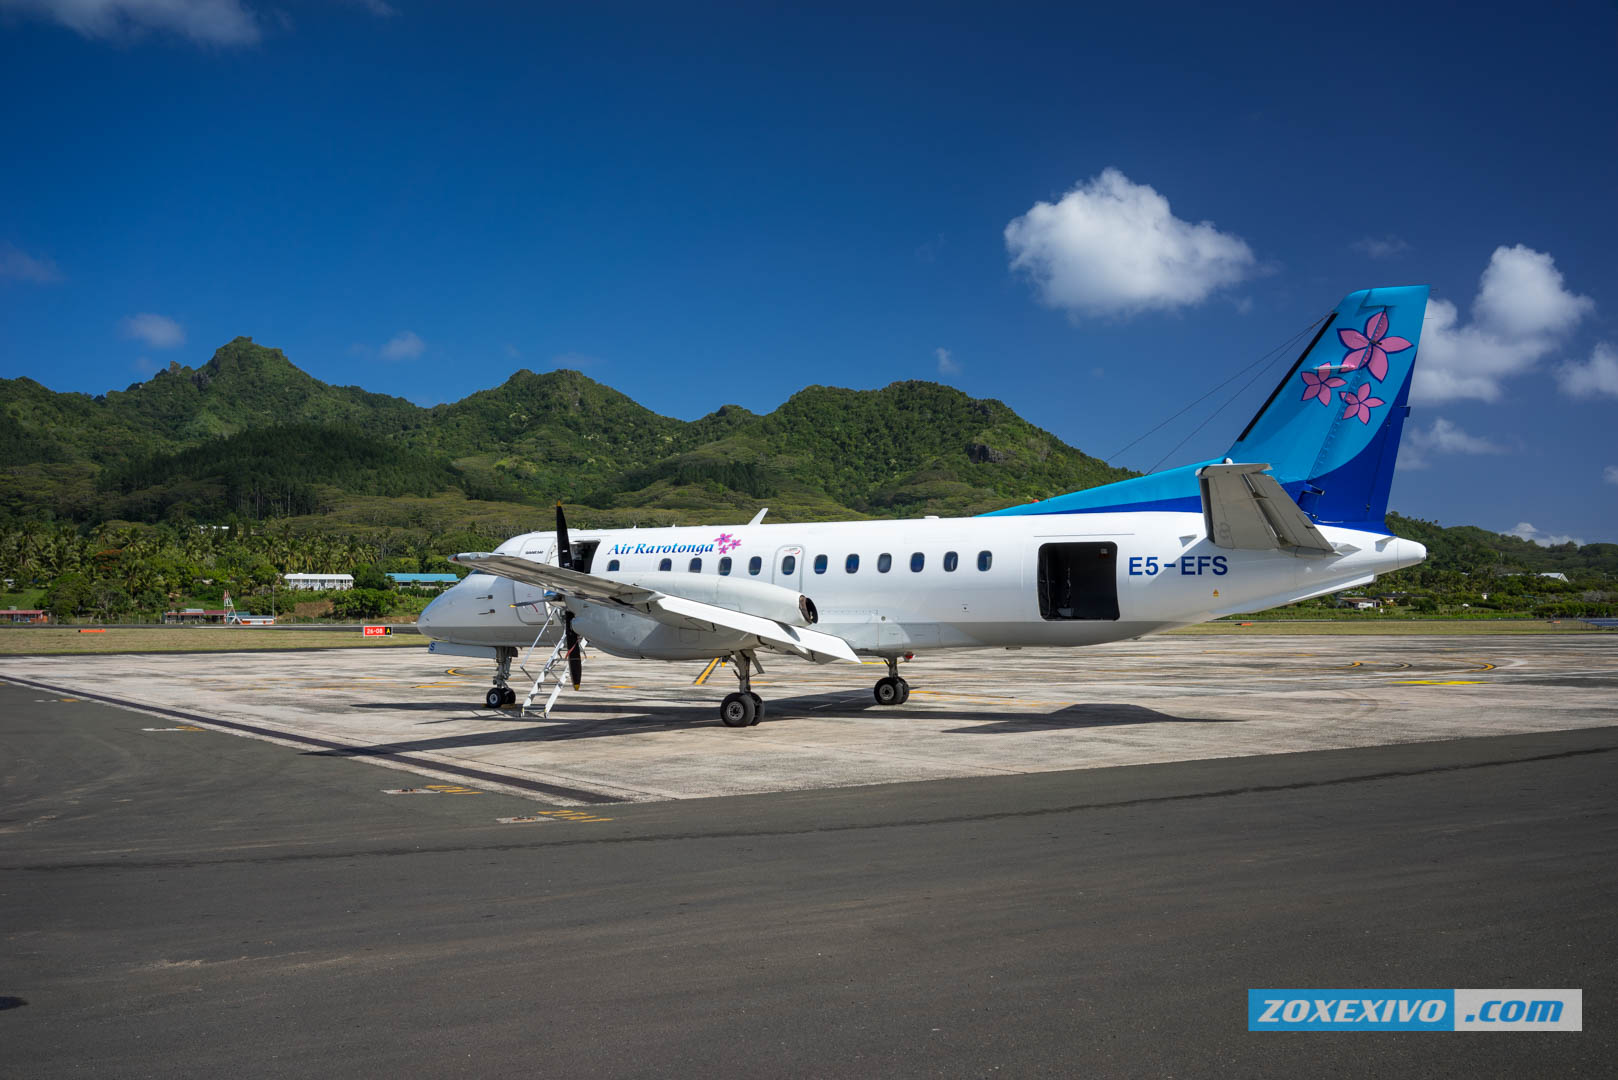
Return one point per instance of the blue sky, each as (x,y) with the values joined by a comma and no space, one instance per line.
(722,204)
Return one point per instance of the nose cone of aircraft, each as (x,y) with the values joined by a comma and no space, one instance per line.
(431,620)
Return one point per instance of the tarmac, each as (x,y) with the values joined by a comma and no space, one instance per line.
(1046,863)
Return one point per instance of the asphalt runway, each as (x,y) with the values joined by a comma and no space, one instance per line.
(180,901)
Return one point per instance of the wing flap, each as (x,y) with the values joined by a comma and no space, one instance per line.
(1245,508)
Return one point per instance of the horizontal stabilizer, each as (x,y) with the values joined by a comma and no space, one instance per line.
(580,588)
(1243,507)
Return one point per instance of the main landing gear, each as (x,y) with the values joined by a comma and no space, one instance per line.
(743,708)
(891,690)
(501,694)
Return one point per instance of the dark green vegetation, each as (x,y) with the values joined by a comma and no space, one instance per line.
(249,434)
(224,476)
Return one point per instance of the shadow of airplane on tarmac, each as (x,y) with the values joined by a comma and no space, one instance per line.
(1088,716)
(606,721)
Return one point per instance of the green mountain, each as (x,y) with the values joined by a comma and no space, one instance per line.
(250,434)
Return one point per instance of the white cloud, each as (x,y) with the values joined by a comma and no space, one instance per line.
(206,22)
(1597,378)
(1112,247)
(17,264)
(1520,314)
(1444,437)
(405,345)
(157,331)
(1380,247)
(1527,532)
(1610,474)
(947,364)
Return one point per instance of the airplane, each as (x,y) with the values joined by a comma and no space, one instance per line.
(1293,510)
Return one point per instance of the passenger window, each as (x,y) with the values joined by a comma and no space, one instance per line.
(696,566)
(755,564)
(612,566)
(789,565)
(884,563)
(917,561)
(951,561)
(820,564)
(985,560)
(852,563)
(724,566)
(666,564)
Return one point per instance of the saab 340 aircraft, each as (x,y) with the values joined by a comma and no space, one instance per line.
(1294,509)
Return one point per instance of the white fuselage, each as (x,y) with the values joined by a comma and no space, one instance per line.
(1163,568)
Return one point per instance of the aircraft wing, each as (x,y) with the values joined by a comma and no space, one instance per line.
(571,583)
(664,608)
(1244,507)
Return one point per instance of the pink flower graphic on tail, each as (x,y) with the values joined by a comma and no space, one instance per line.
(1319,383)
(1371,348)
(1360,403)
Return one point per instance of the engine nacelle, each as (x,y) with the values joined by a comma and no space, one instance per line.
(739,594)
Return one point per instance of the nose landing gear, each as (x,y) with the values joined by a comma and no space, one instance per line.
(500,693)
(891,690)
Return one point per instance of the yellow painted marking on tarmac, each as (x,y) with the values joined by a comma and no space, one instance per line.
(1486,667)
(707,671)
(1357,663)
(620,688)
(1438,682)
(453,789)
(552,815)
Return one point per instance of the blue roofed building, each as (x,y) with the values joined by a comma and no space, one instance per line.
(425,581)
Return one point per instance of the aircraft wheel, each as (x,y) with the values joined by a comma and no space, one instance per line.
(495,698)
(758,707)
(508,697)
(904,692)
(887,691)
(738,710)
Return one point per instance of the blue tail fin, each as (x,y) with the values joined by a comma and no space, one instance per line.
(1330,431)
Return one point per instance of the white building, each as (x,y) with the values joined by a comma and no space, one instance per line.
(318,581)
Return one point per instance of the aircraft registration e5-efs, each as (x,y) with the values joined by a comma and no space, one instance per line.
(1294,509)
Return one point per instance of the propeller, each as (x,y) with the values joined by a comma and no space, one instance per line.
(570,637)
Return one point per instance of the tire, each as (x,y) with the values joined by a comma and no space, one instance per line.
(904,692)
(758,707)
(495,698)
(886,691)
(738,710)
(509,697)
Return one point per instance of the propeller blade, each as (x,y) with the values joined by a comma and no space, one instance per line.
(564,549)
(575,655)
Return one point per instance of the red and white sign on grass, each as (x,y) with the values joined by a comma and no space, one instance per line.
(377,631)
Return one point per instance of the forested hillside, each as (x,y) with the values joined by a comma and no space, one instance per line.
(250,435)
